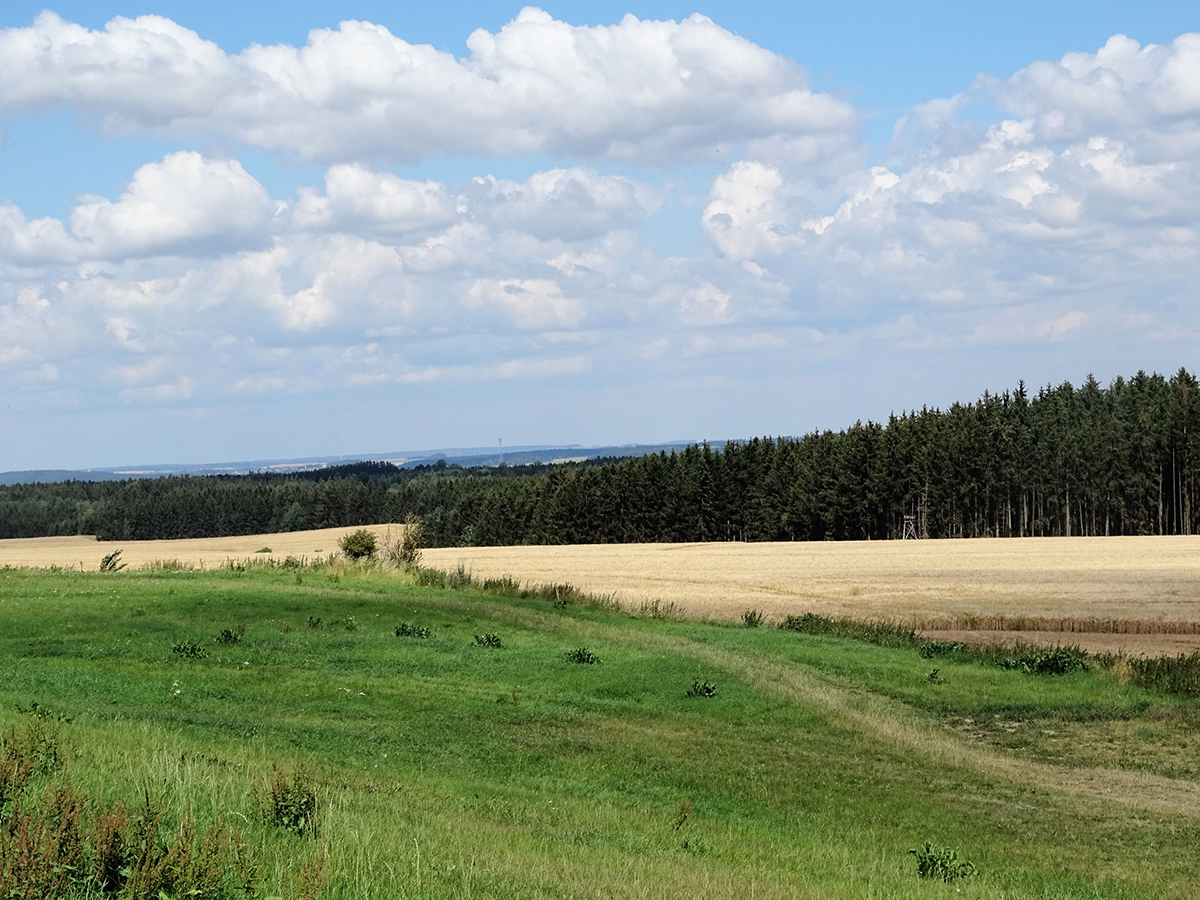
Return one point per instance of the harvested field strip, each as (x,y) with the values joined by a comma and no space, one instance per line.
(1060,625)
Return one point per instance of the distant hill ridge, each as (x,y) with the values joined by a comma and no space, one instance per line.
(1092,460)
(463,456)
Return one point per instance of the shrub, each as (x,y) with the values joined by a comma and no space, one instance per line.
(753,618)
(942,864)
(291,801)
(702,689)
(406,550)
(582,656)
(488,640)
(188,650)
(359,544)
(112,562)
(231,635)
(263,550)
(404,629)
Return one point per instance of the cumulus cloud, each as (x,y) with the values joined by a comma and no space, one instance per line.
(639,90)
(358,198)
(563,203)
(1087,184)
(184,205)
(1069,214)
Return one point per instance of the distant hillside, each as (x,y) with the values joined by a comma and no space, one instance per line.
(463,456)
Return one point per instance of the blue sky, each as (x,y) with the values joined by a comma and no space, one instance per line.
(576,227)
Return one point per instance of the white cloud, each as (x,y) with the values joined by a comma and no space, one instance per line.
(569,204)
(531,303)
(638,90)
(186,204)
(358,198)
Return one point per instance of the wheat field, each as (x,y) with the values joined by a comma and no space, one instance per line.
(1134,593)
(84,552)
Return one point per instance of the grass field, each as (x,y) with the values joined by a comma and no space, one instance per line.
(450,769)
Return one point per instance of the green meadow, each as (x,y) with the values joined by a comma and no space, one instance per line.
(317,752)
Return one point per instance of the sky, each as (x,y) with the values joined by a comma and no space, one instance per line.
(246,231)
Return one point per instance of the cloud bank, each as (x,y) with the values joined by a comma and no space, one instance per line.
(1058,205)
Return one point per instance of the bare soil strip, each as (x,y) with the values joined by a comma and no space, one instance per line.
(1093,642)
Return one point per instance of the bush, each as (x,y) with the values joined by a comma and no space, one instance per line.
(112,562)
(488,640)
(359,544)
(582,656)
(406,551)
(702,689)
(941,863)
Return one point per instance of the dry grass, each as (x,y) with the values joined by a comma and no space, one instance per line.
(1128,589)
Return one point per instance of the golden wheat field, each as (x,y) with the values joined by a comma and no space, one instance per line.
(1134,593)
(86,552)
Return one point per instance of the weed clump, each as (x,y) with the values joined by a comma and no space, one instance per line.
(26,752)
(702,689)
(359,544)
(231,635)
(49,849)
(291,801)
(582,656)
(404,629)
(941,864)
(1170,674)
(1044,660)
(188,650)
(883,634)
(488,640)
(753,618)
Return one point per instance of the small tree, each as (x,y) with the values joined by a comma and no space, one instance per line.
(358,544)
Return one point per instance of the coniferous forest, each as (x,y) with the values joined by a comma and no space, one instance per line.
(1088,460)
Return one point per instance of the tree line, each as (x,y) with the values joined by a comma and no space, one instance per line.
(1087,460)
